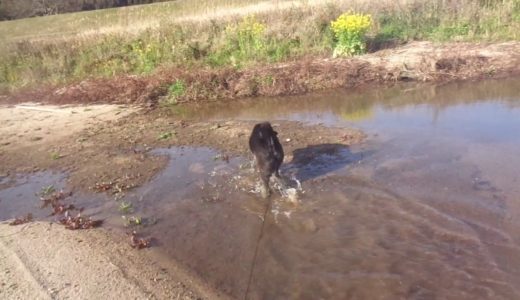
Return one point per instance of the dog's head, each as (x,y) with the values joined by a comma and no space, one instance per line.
(266,128)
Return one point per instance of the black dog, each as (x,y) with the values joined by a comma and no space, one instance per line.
(268,152)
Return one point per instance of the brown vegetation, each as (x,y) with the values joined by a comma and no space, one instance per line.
(22,220)
(419,61)
(79,222)
(138,243)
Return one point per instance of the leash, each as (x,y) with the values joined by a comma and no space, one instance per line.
(253,264)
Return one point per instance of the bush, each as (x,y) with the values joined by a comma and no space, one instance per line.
(175,91)
(249,36)
(244,41)
(349,30)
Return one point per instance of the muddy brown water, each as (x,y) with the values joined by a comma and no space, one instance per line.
(427,208)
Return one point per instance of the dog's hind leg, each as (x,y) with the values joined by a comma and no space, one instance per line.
(265,191)
(281,180)
(254,163)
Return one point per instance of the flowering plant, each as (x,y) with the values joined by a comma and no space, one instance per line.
(350,29)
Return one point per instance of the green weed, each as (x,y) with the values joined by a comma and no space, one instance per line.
(175,91)
(165,136)
(55,156)
(267,80)
(126,207)
(132,221)
(47,190)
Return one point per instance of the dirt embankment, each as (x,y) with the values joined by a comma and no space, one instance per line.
(417,61)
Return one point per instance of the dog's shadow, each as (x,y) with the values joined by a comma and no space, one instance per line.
(317,160)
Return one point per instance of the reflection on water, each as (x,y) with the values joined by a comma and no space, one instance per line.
(367,105)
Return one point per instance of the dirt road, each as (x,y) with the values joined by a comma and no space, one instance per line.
(47,261)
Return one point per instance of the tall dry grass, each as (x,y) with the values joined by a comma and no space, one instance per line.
(141,39)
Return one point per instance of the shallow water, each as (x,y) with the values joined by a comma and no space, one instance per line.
(427,208)
(22,195)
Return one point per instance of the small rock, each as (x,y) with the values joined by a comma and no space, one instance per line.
(287,140)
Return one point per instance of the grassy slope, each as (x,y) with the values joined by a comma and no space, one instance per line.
(189,33)
(130,19)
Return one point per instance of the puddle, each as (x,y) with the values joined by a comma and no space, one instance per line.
(208,214)
(357,232)
(426,208)
(22,195)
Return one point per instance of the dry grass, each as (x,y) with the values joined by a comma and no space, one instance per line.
(136,19)
(130,19)
(186,33)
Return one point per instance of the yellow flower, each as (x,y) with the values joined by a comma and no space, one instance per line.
(353,23)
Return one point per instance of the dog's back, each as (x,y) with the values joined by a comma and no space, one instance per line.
(267,149)
(264,144)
